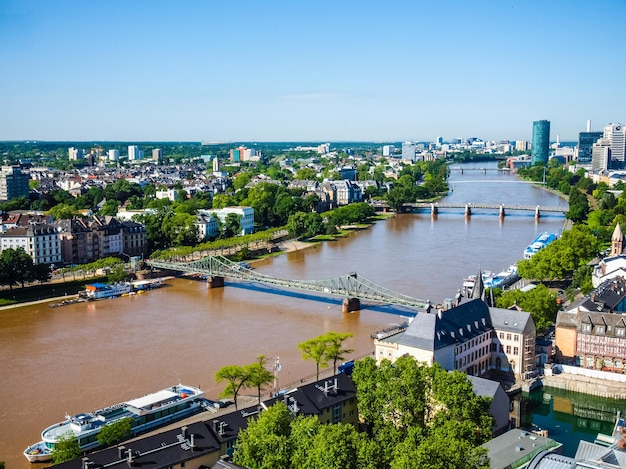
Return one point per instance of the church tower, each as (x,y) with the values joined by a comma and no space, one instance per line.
(617,241)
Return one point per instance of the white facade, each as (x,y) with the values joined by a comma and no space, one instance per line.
(39,241)
(171,194)
(134,153)
(388,150)
(114,155)
(246,213)
(616,135)
(208,226)
(75,154)
(408,151)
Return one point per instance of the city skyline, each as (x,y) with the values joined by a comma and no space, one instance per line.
(277,71)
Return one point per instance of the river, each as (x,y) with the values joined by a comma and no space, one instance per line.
(86,356)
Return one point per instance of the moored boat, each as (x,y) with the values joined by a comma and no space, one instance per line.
(539,243)
(147,412)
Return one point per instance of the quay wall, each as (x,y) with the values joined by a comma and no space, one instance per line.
(610,387)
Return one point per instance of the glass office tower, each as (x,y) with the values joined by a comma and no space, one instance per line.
(541,142)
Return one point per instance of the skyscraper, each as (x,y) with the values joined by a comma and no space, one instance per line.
(585,144)
(157,155)
(13,183)
(616,134)
(541,142)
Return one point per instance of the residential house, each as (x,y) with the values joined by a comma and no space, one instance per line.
(470,337)
(591,333)
(134,239)
(204,443)
(39,240)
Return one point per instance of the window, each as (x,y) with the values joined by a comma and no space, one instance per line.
(508,349)
(515,350)
(508,337)
(599,329)
(515,337)
(619,331)
(586,327)
(337,414)
(502,335)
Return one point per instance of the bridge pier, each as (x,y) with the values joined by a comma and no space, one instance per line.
(215,282)
(434,210)
(350,305)
(537,212)
(501,211)
(468,210)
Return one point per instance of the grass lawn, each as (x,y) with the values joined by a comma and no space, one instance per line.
(47,290)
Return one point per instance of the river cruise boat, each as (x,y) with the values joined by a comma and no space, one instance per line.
(146,413)
(98,291)
(538,244)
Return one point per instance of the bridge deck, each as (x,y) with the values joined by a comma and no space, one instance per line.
(347,286)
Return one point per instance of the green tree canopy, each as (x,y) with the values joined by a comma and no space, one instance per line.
(115,432)
(66,448)
(540,302)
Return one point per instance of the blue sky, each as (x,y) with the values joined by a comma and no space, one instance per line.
(335,70)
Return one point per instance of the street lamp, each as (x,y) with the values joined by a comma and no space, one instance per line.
(277,367)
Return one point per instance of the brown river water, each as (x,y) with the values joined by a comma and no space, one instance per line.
(82,357)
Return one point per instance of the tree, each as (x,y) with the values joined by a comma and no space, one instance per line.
(540,302)
(115,432)
(66,448)
(41,273)
(117,274)
(258,375)
(18,267)
(231,226)
(235,376)
(63,212)
(264,444)
(408,407)
(315,349)
(334,349)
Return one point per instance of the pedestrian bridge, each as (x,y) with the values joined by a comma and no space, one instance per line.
(351,287)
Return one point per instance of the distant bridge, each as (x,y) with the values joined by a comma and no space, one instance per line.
(351,287)
(468,207)
(483,170)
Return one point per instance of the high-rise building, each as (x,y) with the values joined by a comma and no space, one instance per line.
(114,155)
(216,164)
(157,155)
(541,142)
(408,151)
(134,153)
(585,144)
(13,183)
(601,155)
(388,150)
(616,134)
(75,154)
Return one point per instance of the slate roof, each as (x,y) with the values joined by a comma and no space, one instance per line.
(159,451)
(509,320)
(430,331)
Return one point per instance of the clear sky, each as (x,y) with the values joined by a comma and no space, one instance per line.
(323,70)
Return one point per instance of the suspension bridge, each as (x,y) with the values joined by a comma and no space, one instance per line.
(352,287)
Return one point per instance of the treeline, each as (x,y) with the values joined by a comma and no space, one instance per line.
(18,268)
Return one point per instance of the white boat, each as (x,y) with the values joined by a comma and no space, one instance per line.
(538,244)
(98,291)
(147,412)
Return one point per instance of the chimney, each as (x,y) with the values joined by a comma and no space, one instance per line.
(130,457)
(183,431)
(85,463)
(192,442)
(216,426)
(120,452)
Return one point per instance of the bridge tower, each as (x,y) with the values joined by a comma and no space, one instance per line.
(434,210)
(468,210)
(501,211)
(537,212)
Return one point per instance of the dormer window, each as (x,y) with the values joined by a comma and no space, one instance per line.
(586,327)
(599,330)
(619,331)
